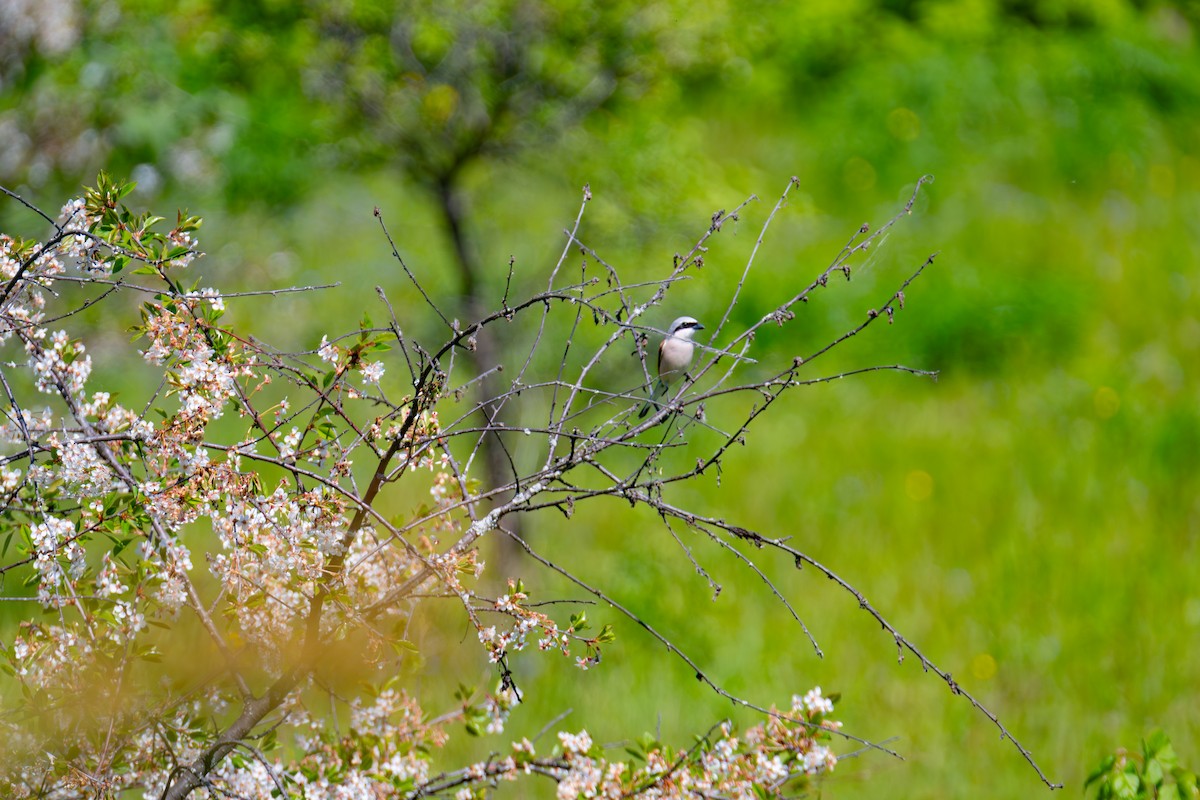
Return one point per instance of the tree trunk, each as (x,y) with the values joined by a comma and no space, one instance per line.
(499,470)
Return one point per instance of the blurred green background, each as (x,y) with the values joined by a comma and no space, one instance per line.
(1031,520)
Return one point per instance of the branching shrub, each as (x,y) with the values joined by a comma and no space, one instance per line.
(178,566)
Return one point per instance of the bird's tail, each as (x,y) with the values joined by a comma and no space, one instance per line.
(660,390)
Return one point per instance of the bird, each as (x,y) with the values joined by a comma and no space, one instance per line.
(675,353)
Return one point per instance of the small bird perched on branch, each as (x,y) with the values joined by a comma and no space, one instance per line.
(674,357)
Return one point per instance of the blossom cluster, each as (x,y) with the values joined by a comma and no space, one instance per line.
(774,759)
(418,438)
(389,746)
(109,503)
(526,622)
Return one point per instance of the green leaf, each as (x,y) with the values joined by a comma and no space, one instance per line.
(1187,782)
(1154,772)
(1100,771)
(1125,785)
(187,223)
(1155,742)
(649,742)
(403,646)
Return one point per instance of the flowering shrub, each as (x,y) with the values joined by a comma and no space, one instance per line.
(106,504)
(190,560)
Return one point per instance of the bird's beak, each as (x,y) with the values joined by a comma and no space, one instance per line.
(698,326)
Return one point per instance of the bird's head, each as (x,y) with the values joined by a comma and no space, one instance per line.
(684,328)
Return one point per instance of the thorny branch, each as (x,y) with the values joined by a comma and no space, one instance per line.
(562,409)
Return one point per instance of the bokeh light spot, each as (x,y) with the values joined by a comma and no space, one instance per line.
(904,124)
(439,103)
(858,174)
(918,485)
(983,667)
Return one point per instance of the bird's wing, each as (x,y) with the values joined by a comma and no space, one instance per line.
(661,346)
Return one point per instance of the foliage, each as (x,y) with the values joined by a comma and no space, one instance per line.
(258,100)
(1153,773)
(232,94)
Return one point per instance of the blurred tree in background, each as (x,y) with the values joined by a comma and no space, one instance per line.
(1034,514)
